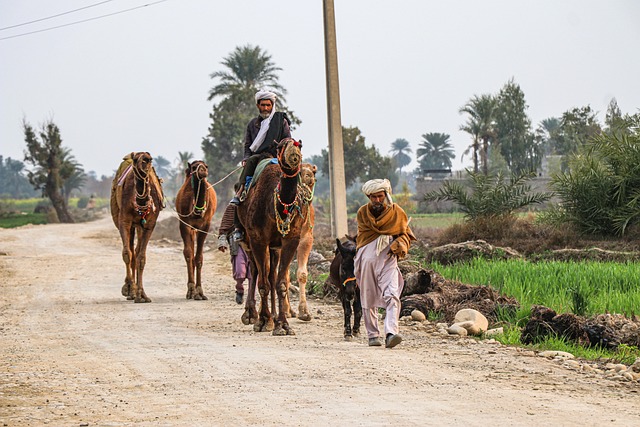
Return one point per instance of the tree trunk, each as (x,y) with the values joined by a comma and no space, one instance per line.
(57,200)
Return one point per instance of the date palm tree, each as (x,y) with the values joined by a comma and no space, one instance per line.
(436,151)
(248,68)
(481,126)
(399,150)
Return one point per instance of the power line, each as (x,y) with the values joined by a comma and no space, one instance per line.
(54,16)
(84,20)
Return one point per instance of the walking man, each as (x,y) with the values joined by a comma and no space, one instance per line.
(383,237)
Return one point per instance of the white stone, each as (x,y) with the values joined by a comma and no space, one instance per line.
(494,331)
(457,330)
(418,316)
(472,320)
(559,354)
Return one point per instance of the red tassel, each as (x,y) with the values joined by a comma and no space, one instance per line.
(286,212)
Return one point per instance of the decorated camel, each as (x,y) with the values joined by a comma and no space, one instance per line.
(136,201)
(195,205)
(274,215)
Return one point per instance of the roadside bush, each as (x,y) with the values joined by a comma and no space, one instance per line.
(600,192)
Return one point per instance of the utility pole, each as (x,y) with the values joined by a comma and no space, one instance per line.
(336,151)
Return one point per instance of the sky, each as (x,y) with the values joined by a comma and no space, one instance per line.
(138,80)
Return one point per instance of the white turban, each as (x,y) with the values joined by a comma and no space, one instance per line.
(265,94)
(377,185)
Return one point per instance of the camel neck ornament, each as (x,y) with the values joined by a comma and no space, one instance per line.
(198,175)
(142,203)
(294,195)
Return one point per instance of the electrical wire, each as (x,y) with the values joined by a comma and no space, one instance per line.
(54,16)
(84,20)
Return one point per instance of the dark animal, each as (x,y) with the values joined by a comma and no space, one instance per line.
(342,275)
(273,215)
(195,205)
(136,201)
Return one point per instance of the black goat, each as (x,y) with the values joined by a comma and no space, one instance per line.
(341,274)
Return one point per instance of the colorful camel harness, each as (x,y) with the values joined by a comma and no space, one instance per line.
(142,209)
(304,196)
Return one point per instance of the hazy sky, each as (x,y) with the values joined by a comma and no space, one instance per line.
(138,81)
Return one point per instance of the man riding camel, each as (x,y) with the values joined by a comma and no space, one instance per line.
(260,142)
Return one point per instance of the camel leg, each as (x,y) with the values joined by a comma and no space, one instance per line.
(200,237)
(187,251)
(250,315)
(302,274)
(273,271)
(141,258)
(261,258)
(127,236)
(282,286)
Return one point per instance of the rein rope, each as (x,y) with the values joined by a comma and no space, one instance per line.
(208,186)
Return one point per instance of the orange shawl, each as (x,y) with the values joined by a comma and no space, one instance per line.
(392,222)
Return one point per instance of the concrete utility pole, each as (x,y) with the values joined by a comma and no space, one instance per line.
(336,152)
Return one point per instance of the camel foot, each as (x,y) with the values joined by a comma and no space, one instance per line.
(291,313)
(283,330)
(305,317)
(200,297)
(262,326)
(142,300)
(125,290)
(130,298)
(304,313)
(249,317)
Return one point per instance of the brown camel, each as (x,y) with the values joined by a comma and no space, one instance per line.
(195,205)
(308,180)
(273,215)
(136,201)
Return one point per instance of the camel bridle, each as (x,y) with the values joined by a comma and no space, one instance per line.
(142,203)
(195,176)
(304,194)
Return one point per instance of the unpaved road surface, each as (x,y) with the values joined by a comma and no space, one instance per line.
(77,353)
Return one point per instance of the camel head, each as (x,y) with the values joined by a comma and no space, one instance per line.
(290,154)
(143,162)
(197,169)
(308,174)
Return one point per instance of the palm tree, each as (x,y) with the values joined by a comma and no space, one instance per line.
(162,167)
(71,173)
(436,151)
(249,68)
(481,126)
(399,149)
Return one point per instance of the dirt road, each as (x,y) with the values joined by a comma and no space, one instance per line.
(75,352)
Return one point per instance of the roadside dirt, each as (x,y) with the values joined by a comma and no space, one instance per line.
(76,353)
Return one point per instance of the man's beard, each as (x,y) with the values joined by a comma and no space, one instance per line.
(265,115)
(377,208)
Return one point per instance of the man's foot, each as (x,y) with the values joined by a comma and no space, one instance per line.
(238,235)
(239,296)
(375,342)
(392,340)
(223,244)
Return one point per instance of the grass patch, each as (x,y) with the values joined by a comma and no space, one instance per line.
(18,220)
